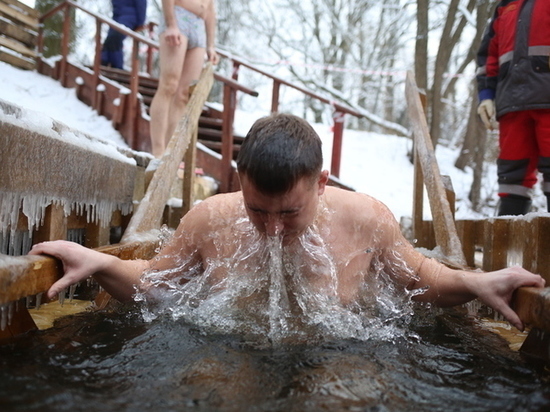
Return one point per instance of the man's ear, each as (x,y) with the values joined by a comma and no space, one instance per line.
(322,182)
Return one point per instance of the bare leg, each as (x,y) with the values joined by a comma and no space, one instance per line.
(172,60)
(192,67)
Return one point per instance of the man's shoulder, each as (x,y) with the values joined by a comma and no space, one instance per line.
(348,198)
(356,206)
(223,204)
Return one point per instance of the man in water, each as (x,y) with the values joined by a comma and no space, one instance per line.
(187,34)
(336,241)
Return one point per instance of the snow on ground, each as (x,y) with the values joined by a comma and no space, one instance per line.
(372,163)
(33,91)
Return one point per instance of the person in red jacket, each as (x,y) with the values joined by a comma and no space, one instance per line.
(513,80)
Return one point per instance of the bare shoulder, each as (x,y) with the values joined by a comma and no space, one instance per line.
(216,210)
(361,215)
(354,205)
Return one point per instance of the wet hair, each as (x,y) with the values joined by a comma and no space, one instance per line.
(278,151)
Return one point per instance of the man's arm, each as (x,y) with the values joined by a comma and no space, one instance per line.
(118,277)
(172,33)
(210,24)
(448,287)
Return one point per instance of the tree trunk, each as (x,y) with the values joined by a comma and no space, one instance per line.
(421,45)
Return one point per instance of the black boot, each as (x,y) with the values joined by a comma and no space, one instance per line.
(513,205)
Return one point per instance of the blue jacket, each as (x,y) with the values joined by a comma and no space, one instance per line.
(131,13)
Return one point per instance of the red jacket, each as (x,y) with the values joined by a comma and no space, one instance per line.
(513,66)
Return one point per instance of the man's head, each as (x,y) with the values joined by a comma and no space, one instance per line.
(278,151)
(279,168)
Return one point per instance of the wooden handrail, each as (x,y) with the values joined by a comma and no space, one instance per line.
(279,81)
(340,109)
(235,85)
(24,276)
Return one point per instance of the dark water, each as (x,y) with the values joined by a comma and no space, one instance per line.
(117,362)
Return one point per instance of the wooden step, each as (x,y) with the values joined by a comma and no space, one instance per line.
(210,122)
(217,147)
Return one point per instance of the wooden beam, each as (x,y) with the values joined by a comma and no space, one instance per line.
(18,33)
(444,226)
(24,276)
(16,15)
(188,192)
(533,306)
(17,47)
(149,212)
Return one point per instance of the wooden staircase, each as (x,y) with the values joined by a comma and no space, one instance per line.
(210,130)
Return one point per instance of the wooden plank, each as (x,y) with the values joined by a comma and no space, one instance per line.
(495,244)
(54,227)
(17,61)
(533,306)
(97,235)
(189,175)
(21,321)
(33,13)
(34,151)
(17,47)
(541,240)
(18,17)
(517,242)
(467,233)
(150,211)
(444,227)
(18,33)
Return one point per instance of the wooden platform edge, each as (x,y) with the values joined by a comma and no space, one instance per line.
(533,306)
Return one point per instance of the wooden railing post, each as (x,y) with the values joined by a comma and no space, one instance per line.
(134,87)
(235,71)
(97,64)
(188,192)
(275,96)
(65,45)
(338,132)
(229,105)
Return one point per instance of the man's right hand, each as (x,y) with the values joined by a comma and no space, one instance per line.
(79,263)
(486,111)
(172,36)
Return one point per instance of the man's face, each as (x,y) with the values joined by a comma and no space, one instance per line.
(286,215)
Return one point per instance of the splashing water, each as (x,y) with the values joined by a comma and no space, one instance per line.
(274,294)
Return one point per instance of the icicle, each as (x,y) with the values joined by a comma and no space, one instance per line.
(3,317)
(62,296)
(11,307)
(72,289)
(38,300)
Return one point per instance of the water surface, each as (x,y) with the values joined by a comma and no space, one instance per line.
(115,361)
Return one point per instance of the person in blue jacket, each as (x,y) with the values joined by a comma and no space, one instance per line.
(130,13)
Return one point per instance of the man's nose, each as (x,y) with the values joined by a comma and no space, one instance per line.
(273,225)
